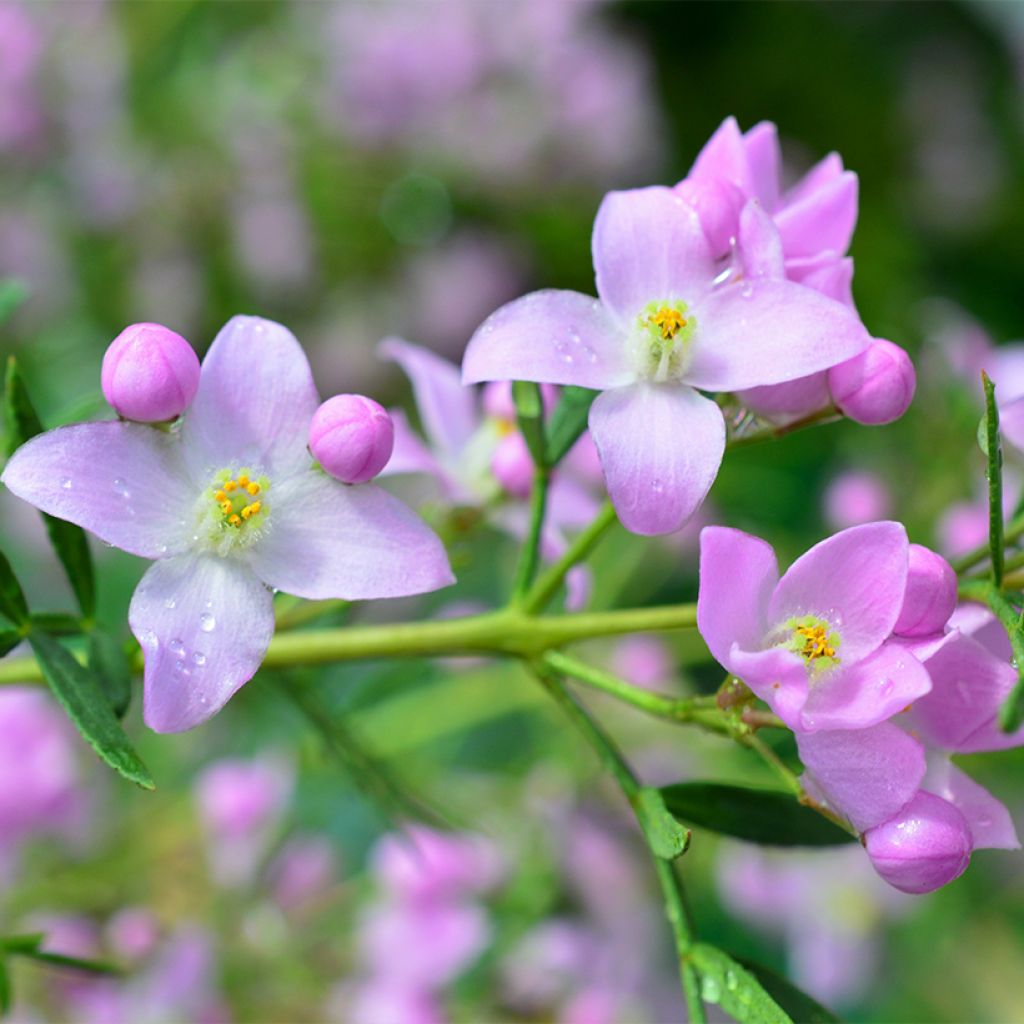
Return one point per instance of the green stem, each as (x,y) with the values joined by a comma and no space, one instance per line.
(829,415)
(671,887)
(1013,531)
(308,611)
(547,586)
(508,631)
(994,474)
(529,557)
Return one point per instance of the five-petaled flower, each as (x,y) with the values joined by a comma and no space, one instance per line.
(672,320)
(230,504)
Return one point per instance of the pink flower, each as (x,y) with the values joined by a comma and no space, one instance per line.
(854,498)
(813,644)
(666,325)
(230,504)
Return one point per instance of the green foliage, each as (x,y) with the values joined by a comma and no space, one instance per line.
(994,474)
(764,816)
(12,598)
(568,421)
(530,415)
(83,697)
(666,837)
(726,983)
(797,1003)
(109,663)
(12,294)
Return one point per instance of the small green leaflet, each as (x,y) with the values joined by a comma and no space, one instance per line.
(666,837)
(726,983)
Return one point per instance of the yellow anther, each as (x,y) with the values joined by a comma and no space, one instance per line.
(253,488)
(235,520)
(243,481)
(816,643)
(247,511)
(254,508)
(668,320)
(226,507)
(230,485)
(219,497)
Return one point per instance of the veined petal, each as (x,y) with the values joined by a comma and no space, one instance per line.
(551,336)
(866,693)
(855,580)
(660,448)
(867,775)
(124,482)
(990,822)
(738,573)
(204,624)
(327,539)
(255,401)
(767,332)
(448,409)
(649,246)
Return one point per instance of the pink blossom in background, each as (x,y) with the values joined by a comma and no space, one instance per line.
(21,47)
(644,660)
(303,873)
(856,497)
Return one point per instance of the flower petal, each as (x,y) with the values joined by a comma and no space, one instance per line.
(866,693)
(255,401)
(448,409)
(327,539)
(779,677)
(767,332)
(649,246)
(725,155)
(759,245)
(124,482)
(409,454)
(821,216)
(1011,422)
(763,161)
(991,825)
(738,573)
(204,625)
(660,448)
(855,580)
(551,336)
(867,775)
(961,712)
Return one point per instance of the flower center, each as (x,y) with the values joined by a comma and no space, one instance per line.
(662,343)
(233,510)
(814,639)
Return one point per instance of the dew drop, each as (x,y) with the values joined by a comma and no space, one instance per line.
(207,622)
(170,603)
(709,990)
(199,659)
(886,687)
(176,647)
(120,487)
(747,291)
(731,980)
(590,354)
(66,483)
(657,486)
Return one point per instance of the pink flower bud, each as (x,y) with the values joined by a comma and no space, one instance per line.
(875,387)
(150,374)
(930,597)
(512,465)
(718,204)
(352,437)
(924,847)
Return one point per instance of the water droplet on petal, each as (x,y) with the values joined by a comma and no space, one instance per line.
(170,603)
(199,658)
(176,647)
(120,487)
(66,483)
(886,687)
(207,622)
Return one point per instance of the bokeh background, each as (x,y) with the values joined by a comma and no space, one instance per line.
(360,170)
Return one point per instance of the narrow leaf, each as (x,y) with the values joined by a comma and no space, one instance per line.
(6,996)
(108,661)
(12,294)
(797,1003)
(762,816)
(530,415)
(12,598)
(83,698)
(68,541)
(9,639)
(726,983)
(21,943)
(568,422)
(994,472)
(74,962)
(666,837)
(57,623)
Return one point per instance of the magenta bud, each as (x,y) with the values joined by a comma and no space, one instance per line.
(150,374)
(930,597)
(718,204)
(352,437)
(875,387)
(924,847)
(512,465)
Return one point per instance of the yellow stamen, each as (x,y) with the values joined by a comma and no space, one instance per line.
(230,485)
(668,320)
(816,643)
(254,508)
(226,507)
(220,497)
(235,520)
(253,488)
(243,481)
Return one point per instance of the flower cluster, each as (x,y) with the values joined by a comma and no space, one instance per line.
(853,649)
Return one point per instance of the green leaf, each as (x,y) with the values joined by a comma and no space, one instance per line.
(568,421)
(726,983)
(994,473)
(108,661)
(666,837)
(60,960)
(82,695)
(530,415)
(12,598)
(6,996)
(12,294)
(21,943)
(762,816)
(69,541)
(797,1003)
(57,623)
(9,639)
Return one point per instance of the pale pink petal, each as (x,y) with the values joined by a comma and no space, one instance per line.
(409,454)
(204,624)
(778,676)
(827,273)
(327,539)
(867,775)
(855,580)
(124,482)
(447,408)
(724,155)
(660,448)
(1011,422)
(989,820)
(554,337)
(649,246)
(764,160)
(767,332)
(759,244)
(255,402)
(867,692)
(822,217)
